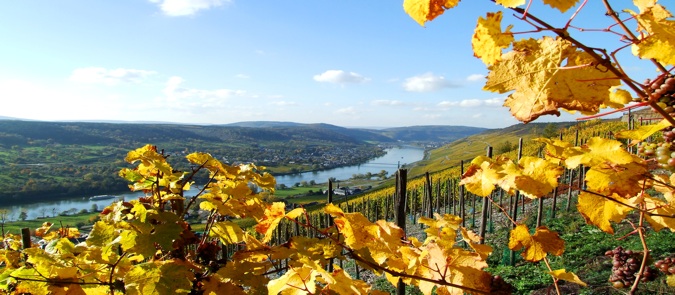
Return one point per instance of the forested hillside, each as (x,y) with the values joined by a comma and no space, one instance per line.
(63,159)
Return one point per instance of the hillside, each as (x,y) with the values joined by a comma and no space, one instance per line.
(467,148)
(432,133)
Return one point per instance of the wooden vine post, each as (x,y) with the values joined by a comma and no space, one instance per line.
(401,180)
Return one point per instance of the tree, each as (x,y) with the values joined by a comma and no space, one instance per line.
(505,147)
(23,215)
(551,130)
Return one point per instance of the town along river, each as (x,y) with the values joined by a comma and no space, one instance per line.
(390,162)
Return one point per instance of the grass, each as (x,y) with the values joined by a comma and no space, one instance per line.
(75,220)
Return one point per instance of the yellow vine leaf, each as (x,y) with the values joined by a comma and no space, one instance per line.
(562,5)
(662,214)
(670,280)
(643,132)
(538,177)
(273,215)
(534,70)
(598,151)
(555,149)
(480,179)
(600,211)
(538,245)
(344,284)
(228,232)
(617,98)
(510,3)
(622,179)
(456,266)
(562,274)
(214,285)
(159,277)
(660,43)
(644,5)
(664,185)
(489,40)
(427,10)
(473,240)
(295,281)
(441,229)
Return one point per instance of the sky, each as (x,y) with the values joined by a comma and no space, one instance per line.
(350,63)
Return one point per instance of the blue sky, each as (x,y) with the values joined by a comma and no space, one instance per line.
(348,63)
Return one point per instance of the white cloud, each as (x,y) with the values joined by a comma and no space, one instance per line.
(186,7)
(471,103)
(426,83)
(96,75)
(191,97)
(242,76)
(284,103)
(340,77)
(386,102)
(348,111)
(475,77)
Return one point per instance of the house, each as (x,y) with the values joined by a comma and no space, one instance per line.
(642,116)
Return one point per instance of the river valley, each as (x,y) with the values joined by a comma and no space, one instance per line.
(390,162)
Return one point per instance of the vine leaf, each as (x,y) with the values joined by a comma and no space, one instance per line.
(643,132)
(480,179)
(562,274)
(600,211)
(621,179)
(489,40)
(295,281)
(228,232)
(473,240)
(618,97)
(562,5)
(670,280)
(534,70)
(536,177)
(660,43)
(510,3)
(659,222)
(214,285)
(427,10)
(538,245)
(159,277)
(598,151)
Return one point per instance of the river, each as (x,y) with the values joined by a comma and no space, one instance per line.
(390,162)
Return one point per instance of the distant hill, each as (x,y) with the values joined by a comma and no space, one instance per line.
(19,132)
(433,133)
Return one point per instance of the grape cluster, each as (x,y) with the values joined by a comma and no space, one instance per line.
(663,152)
(666,265)
(500,287)
(625,264)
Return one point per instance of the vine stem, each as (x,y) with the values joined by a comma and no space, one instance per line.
(555,280)
(645,252)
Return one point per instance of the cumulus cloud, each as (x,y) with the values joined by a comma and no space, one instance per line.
(340,77)
(184,97)
(426,83)
(186,7)
(472,103)
(475,77)
(386,102)
(96,75)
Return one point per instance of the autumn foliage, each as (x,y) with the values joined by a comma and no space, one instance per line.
(147,247)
